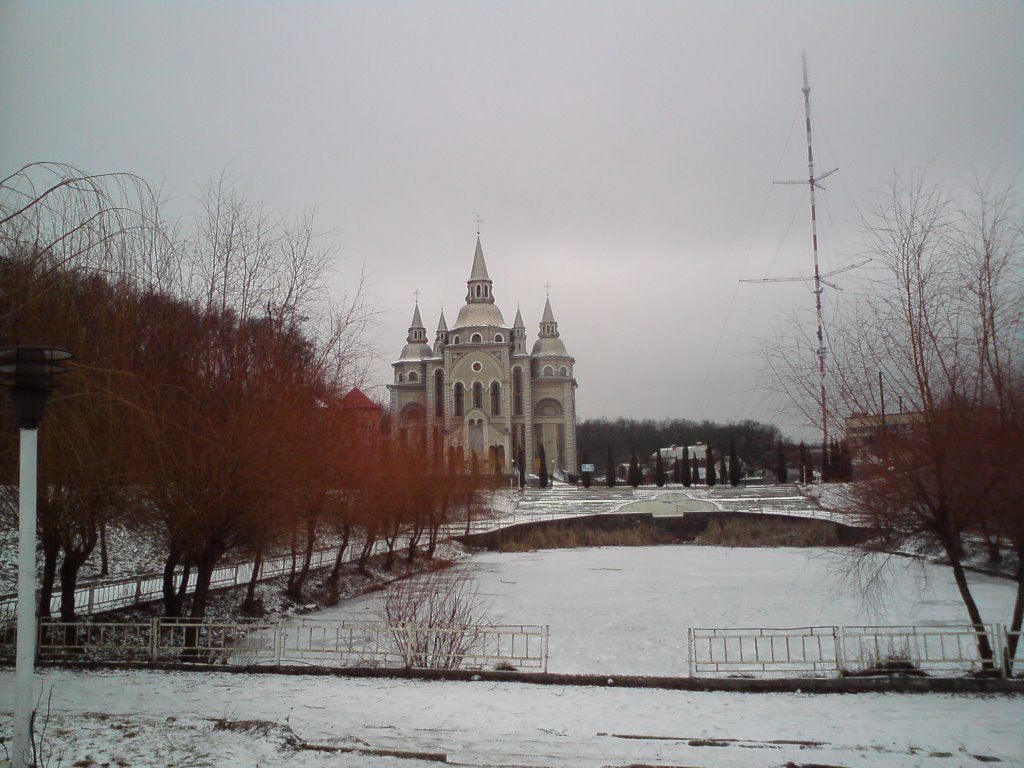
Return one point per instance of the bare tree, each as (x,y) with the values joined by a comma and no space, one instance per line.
(940,318)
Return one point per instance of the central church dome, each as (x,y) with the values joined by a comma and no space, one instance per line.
(479,314)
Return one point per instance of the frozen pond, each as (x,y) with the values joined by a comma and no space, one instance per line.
(626,610)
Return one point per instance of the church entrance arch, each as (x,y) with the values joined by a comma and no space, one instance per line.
(476,436)
(413,424)
(549,431)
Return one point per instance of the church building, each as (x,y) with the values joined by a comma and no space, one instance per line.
(479,390)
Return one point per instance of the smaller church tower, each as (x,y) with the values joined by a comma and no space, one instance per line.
(410,375)
(518,334)
(441,337)
(417,332)
(554,393)
(548,325)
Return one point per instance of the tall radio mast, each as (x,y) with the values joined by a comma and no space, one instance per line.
(812,184)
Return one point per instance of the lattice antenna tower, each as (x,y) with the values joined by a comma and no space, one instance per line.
(813,183)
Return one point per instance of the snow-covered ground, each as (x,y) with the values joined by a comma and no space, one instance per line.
(626,610)
(168,719)
(611,610)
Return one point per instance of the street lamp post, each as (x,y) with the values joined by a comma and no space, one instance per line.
(27,373)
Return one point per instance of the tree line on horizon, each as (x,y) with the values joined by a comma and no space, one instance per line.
(755,442)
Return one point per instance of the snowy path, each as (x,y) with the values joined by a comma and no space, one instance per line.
(165,719)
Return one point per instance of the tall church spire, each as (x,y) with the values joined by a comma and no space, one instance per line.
(548,326)
(518,334)
(417,332)
(442,330)
(479,282)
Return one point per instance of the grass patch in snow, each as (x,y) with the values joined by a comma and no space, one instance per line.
(768,532)
(722,530)
(562,536)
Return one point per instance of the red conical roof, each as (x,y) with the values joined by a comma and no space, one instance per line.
(356,400)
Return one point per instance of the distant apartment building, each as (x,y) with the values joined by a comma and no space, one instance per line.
(861,428)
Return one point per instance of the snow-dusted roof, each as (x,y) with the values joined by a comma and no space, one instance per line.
(479,314)
(415,351)
(549,346)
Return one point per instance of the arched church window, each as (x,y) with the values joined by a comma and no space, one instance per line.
(498,338)
(549,371)
(477,338)
(460,399)
(478,291)
(517,391)
(438,393)
(478,395)
(401,378)
(495,399)
(563,371)
(413,376)
(456,340)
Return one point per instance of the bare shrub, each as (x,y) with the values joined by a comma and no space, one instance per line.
(895,662)
(436,620)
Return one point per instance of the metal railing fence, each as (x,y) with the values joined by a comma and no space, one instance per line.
(129,591)
(827,651)
(748,652)
(287,643)
(822,651)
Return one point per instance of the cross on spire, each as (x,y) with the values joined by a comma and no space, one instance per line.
(478,221)
(547,289)
(416,293)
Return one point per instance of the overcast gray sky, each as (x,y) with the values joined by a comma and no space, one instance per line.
(623,152)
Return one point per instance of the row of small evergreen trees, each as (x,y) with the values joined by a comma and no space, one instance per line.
(836,463)
(755,441)
(685,471)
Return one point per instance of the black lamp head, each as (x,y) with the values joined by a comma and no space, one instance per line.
(28,374)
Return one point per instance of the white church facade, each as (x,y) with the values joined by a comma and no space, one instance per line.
(479,390)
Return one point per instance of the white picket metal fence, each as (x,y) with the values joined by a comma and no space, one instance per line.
(758,652)
(290,643)
(828,651)
(749,652)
